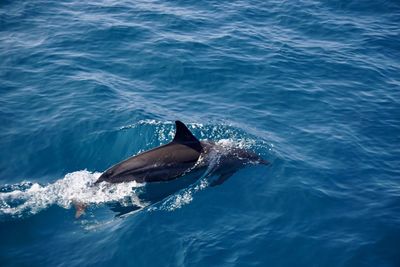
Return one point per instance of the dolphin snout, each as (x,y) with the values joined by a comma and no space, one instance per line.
(103,177)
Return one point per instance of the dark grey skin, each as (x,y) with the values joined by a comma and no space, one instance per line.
(180,156)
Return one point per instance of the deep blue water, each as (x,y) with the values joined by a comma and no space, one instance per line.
(311,86)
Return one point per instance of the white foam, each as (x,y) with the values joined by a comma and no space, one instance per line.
(236,143)
(76,187)
(182,198)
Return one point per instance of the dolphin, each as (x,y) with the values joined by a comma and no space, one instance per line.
(185,153)
(183,156)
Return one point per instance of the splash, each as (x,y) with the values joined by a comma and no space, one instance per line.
(30,198)
(181,198)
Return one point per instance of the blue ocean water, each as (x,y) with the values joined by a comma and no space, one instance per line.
(311,86)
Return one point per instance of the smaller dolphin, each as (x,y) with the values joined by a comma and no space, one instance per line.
(180,156)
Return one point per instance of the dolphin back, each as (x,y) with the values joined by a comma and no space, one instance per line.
(163,163)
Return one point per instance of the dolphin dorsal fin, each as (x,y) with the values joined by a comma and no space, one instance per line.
(184,136)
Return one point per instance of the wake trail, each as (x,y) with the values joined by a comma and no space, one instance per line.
(30,198)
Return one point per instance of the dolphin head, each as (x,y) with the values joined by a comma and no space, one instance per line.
(106,176)
(115,174)
(232,155)
(251,157)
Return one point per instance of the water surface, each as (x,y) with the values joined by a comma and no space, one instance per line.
(312,86)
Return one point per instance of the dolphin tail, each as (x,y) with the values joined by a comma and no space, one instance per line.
(79,209)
